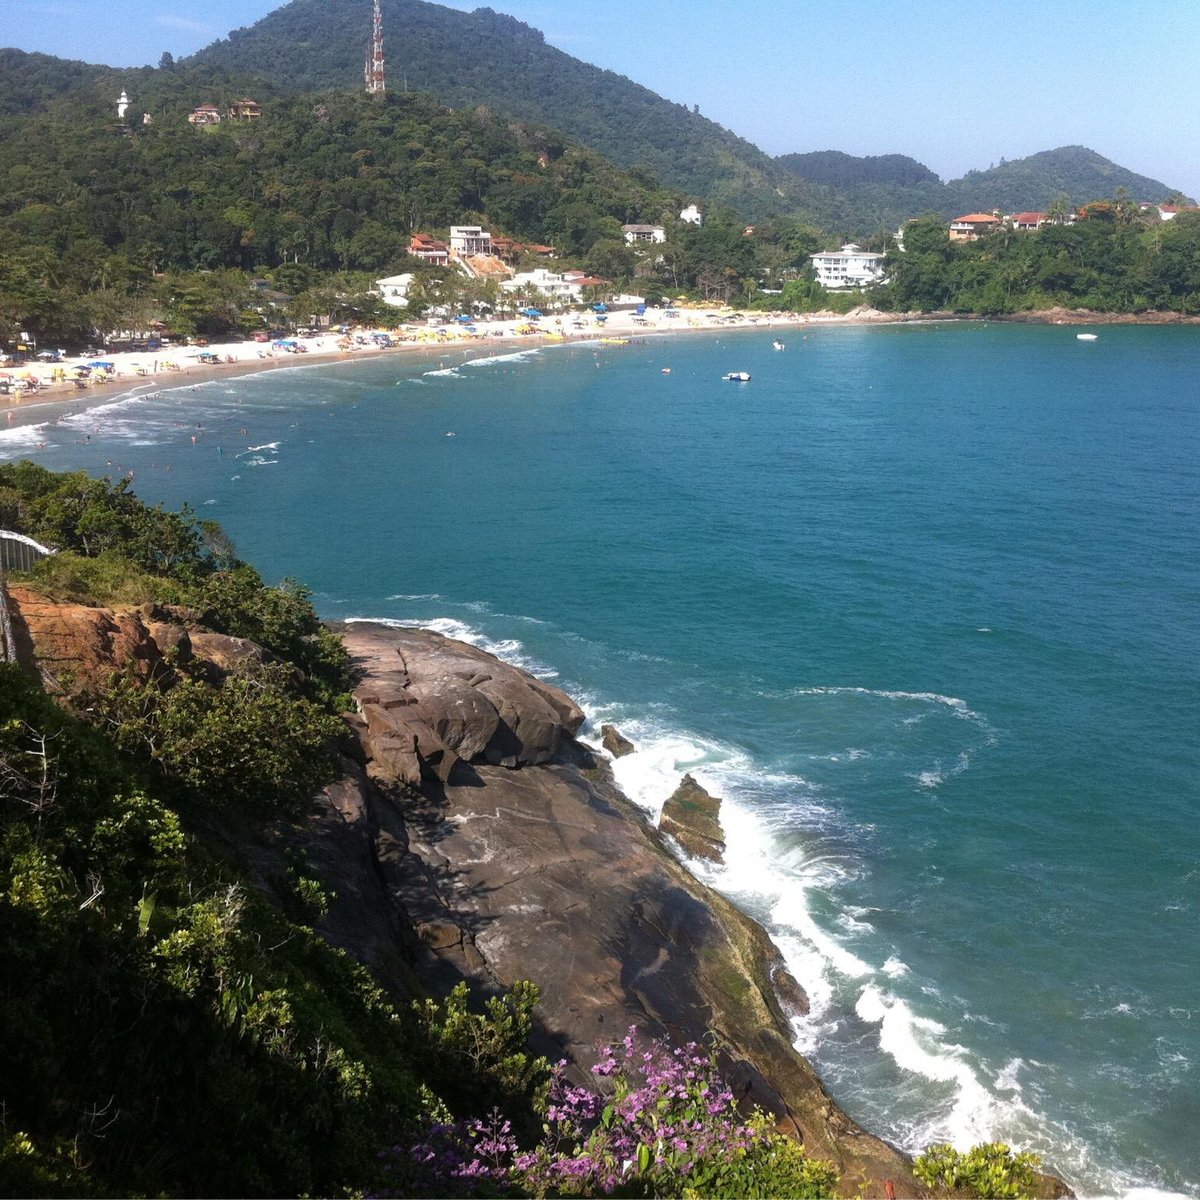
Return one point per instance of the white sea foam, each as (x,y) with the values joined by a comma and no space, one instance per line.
(492,359)
(443,372)
(787,883)
(916,1045)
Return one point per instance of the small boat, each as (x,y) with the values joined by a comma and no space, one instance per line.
(737,377)
(779,345)
(1087,337)
(614,341)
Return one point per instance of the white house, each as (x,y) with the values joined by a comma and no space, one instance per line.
(470,239)
(644,233)
(692,215)
(849,267)
(394,289)
(552,286)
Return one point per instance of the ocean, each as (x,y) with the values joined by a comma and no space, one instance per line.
(921,603)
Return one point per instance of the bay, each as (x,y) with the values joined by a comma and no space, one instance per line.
(920,602)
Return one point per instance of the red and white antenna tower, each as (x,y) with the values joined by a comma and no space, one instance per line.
(373,71)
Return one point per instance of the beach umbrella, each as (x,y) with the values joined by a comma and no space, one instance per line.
(599,308)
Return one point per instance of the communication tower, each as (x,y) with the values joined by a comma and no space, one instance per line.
(373,70)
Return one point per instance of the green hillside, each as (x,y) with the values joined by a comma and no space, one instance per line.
(838,170)
(485,58)
(887,190)
(1072,172)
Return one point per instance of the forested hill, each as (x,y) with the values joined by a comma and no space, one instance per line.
(485,58)
(835,169)
(1073,172)
(889,189)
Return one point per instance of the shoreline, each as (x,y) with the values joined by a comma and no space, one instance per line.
(247,357)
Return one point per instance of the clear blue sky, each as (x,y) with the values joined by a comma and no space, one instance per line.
(954,83)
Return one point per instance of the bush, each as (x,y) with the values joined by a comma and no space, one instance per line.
(249,743)
(991,1171)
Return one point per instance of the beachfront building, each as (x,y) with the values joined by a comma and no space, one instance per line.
(692,215)
(466,240)
(643,233)
(394,289)
(205,114)
(429,249)
(849,267)
(973,226)
(555,288)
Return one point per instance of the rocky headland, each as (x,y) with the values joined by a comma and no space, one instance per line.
(472,836)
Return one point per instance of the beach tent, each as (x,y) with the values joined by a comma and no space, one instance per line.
(531,312)
(102,366)
(463,319)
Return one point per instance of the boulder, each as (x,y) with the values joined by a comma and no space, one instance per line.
(227,653)
(446,701)
(76,648)
(613,741)
(692,817)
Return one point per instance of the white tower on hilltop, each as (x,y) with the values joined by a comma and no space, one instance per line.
(122,105)
(373,70)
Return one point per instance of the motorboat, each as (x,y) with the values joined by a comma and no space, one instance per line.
(737,377)
(1087,337)
(779,345)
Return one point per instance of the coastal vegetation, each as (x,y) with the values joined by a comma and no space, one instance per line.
(1113,260)
(175,1024)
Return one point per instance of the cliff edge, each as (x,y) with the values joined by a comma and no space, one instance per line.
(501,843)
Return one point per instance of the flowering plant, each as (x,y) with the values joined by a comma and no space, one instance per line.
(669,1128)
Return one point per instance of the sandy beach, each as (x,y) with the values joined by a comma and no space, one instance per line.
(55,383)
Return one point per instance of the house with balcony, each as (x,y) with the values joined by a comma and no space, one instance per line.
(644,233)
(245,109)
(511,252)
(205,114)
(849,267)
(973,226)
(1028,221)
(429,249)
(466,240)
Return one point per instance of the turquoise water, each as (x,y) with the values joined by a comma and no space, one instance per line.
(921,603)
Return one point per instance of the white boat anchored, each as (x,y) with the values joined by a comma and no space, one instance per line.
(779,345)
(1087,337)
(737,377)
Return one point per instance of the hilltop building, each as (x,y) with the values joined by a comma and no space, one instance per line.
(973,226)
(245,110)
(644,233)
(692,215)
(205,114)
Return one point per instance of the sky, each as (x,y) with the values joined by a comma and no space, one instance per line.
(954,84)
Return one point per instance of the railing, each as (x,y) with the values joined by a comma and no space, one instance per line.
(17,553)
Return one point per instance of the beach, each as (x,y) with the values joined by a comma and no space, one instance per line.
(136,371)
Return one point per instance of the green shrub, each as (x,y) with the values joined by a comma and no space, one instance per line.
(990,1171)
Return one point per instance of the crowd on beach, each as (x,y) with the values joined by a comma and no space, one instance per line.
(41,381)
